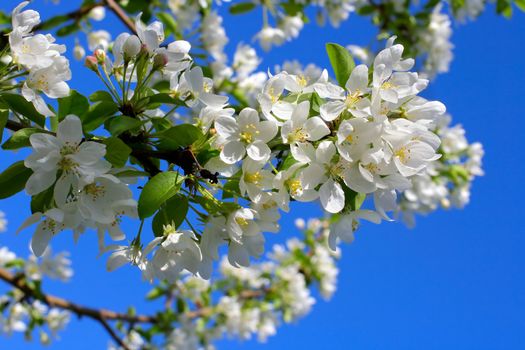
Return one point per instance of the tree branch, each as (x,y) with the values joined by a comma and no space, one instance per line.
(121,14)
(80,310)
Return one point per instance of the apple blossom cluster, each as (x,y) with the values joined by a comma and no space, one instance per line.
(435,42)
(445,183)
(20,314)
(253,301)
(84,194)
(47,70)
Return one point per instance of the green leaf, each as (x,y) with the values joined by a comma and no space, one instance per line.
(504,7)
(342,62)
(43,201)
(101,95)
(69,29)
(4,115)
(117,152)
(169,22)
(172,213)
(520,4)
(157,191)
(75,103)
(20,139)
(18,104)
(54,21)
(231,187)
(353,200)
(161,98)
(241,7)
(179,136)
(97,114)
(118,125)
(13,179)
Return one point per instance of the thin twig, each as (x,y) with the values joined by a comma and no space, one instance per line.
(121,14)
(112,333)
(79,310)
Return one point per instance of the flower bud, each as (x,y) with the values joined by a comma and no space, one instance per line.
(100,56)
(159,61)
(92,63)
(131,47)
(79,52)
(97,13)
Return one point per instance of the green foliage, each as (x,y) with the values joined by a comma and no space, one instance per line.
(98,114)
(178,136)
(20,139)
(43,201)
(342,62)
(75,103)
(242,7)
(172,212)
(19,105)
(157,191)
(118,125)
(13,179)
(117,152)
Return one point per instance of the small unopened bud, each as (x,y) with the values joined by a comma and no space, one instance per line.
(79,52)
(131,47)
(92,63)
(213,131)
(97,13)
(100,56)
(159,61)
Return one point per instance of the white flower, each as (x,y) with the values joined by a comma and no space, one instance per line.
(49,80)
(353,101)
(3,222)
(24,22)
(346,225)
(291,26)
(254,179)
(97,13)
(269,36)
(53,222)
(77,160)
(152,35)
(99,39)
(245,60)
(300,128)
(245,135)
(178,251)
(6,256)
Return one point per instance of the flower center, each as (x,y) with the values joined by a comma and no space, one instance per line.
(253,178)
(299,135)
(352,98)
(403,154)
(95,191)
(248,133)
(295,186)
(301,80)
(241,221)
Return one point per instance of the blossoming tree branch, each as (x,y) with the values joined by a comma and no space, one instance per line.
(202,153)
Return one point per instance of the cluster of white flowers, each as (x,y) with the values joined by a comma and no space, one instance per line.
(47,69)
(20,314)
(445,183)
(435,42)
(254,301)
(84,194)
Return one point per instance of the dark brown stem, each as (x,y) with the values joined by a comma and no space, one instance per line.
(80,310)
(74,15)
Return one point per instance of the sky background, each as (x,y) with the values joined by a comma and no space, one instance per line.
(456,281)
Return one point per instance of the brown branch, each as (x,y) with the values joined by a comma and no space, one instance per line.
(112,334)
(80,310)
(121,14)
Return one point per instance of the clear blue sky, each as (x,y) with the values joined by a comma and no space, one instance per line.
(456,281)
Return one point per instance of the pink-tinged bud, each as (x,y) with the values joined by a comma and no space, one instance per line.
(131,47)
(100,55)
(160,61)
(92,63)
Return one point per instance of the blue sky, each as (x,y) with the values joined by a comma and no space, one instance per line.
(455,281)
